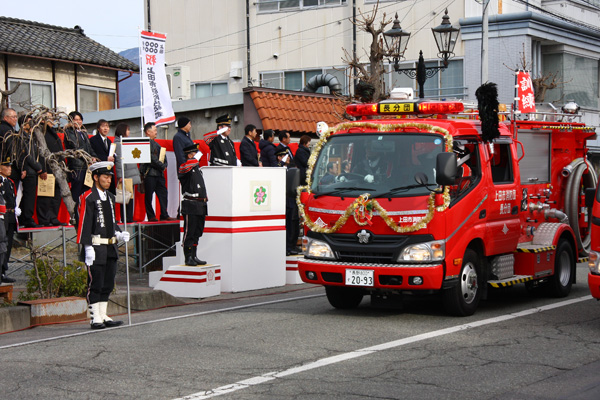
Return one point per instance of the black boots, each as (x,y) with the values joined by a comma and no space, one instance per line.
(189,258)
(195,252)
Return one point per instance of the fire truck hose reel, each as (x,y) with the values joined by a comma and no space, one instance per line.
(572,193)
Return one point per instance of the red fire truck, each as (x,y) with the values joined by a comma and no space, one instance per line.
(410,199)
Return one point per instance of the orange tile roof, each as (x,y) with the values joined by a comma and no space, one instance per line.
(295,111)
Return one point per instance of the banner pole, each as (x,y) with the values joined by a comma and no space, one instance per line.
(141,84)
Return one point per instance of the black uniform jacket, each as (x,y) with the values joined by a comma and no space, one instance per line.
(193,189)
(155,167)
(78,140)
(7,189)
(92,222)
(222,151)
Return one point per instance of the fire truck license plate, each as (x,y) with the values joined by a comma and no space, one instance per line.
(359,277)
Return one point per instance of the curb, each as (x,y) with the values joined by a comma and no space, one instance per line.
(19,317)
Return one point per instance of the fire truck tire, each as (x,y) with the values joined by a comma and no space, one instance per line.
(343,298)
(564,265)
(462,299)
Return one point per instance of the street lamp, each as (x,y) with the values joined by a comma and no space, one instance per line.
(396,41)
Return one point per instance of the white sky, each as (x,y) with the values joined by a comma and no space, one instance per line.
(113,23)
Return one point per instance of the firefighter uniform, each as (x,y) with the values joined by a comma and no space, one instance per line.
(9,197)
(98,233)
(222,150)
(193,206)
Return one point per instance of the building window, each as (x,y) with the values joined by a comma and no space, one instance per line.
(95,99)
(30,94)
(448,83)
(581,87)
(287,5)
(296,80)
(209,89)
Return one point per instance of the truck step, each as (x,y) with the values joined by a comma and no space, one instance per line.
(513,280)
(534,248)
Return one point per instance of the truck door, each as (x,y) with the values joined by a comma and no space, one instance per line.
(503,226)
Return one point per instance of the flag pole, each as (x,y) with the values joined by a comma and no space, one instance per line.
(141,84)
(124,207)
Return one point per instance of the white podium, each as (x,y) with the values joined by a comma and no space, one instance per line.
(245,226)
(292,276)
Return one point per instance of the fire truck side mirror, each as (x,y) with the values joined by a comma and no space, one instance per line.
(445,169)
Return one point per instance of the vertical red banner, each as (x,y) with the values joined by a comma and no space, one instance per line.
(525,92)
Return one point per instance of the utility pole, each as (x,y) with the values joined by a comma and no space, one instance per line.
(484,42)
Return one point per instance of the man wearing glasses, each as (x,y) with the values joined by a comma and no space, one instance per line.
(8,123)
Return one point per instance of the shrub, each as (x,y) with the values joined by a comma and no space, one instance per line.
(49,279)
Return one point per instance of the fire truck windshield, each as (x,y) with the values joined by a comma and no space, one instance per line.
(384,164)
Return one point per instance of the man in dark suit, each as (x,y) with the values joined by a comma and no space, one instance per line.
(248,152)
(284,144)
(101,143)
(76,138)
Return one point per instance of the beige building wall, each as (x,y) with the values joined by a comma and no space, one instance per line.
(209,35)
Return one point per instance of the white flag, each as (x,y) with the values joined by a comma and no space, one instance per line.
(156,99)
(135,150)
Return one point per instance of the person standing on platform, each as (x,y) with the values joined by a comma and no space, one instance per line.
(302,156)
(248,152)
(48,207)
(182,139)
(292,228)
(32,166)
(131,170)
(193,205)
(98,234)
(101,143)
(9,194)
(284,144)
(222,149)
(76,138)
(267,149)
(154,178)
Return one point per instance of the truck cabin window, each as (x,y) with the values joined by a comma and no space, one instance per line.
(382,164)
(501,164)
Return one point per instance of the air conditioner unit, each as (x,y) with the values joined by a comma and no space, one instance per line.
(178,77)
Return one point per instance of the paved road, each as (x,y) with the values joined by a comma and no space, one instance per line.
(294,345)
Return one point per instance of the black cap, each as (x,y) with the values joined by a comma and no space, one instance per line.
(6,161)
(182,122)
(281,153)
(224,120)
(191,148)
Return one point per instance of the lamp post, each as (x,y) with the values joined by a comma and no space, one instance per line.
(396,41)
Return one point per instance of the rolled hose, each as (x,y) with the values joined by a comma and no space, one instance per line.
(572,193)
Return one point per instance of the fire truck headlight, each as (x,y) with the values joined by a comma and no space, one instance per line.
(424,252)
(594,263)
(318,249)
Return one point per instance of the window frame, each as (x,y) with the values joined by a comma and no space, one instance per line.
(324,70)
(301,6)
(97,90)
(211,83)
(31,82)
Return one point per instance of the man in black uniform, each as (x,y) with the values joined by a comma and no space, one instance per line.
(9,194)
(98,233)
(193,206)
(248,152)
(222,150)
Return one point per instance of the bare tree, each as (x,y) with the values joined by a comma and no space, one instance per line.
(6,94)
(371,86)
(541,83)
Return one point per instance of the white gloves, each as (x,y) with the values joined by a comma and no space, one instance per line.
(90,255)
(340,178)
(239,163)
(17,211)
(369,178)
(198,155)
(124,236)
(222,130)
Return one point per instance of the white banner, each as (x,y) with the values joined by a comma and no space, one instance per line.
(135,150)
(156,98)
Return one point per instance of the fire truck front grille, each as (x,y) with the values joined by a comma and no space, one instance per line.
(366,257)
(333,277)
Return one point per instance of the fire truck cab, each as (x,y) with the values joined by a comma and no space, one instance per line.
(422,203)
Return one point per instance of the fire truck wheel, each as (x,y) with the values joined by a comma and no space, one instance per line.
(462,299)
(564,262)
(343,297)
